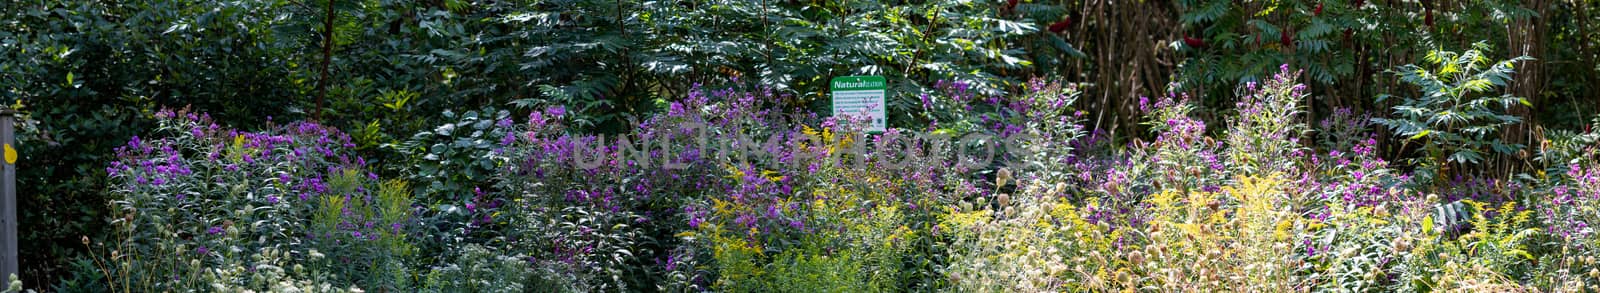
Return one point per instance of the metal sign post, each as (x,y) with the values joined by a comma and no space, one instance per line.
(8,197)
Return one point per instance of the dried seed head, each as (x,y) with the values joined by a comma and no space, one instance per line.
(1002,177)
(1003,199)
(1035,189)
(1136,257)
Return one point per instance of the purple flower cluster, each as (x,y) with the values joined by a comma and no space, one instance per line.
(195,173)
(1565,210)
(752,190)
(1365,181)
(149,167)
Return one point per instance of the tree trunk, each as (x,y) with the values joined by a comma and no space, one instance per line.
(1126,42)
(1526,37)
(327,58)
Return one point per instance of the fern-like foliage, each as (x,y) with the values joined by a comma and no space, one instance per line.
(1460,108)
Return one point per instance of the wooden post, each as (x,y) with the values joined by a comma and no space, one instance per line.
(8,197)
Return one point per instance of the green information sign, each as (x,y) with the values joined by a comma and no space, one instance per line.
(861,97)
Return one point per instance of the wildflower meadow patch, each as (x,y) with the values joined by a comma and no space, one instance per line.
(725,190)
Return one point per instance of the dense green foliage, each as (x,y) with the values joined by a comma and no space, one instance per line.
(428,92)
(1347,46)
(1459,112)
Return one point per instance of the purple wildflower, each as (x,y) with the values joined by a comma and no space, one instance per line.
(556,112)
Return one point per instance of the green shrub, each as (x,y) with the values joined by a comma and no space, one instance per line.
(452,159)
(480,269)
(208,208)
(1459,113)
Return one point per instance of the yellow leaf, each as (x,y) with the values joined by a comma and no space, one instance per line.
(1421,134)
(771,175)
(734,172)
(1427,224)
(1281,232)
(11,154)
